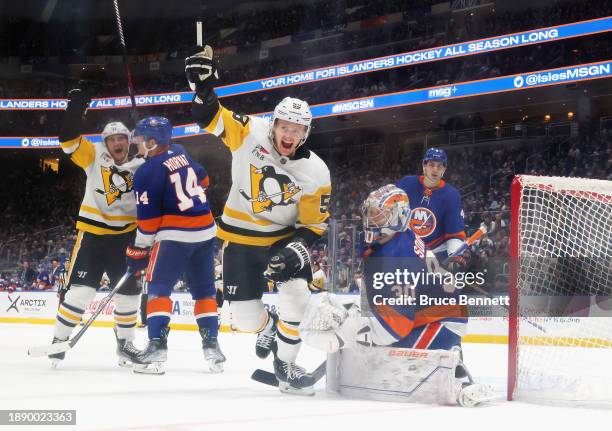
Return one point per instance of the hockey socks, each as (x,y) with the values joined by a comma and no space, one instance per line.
(159,310)
(72,309)
(205,312)
(126,315)
(288,340)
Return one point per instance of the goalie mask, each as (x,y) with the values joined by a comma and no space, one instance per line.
(294,111)
(386,211)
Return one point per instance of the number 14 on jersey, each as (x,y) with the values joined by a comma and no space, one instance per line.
(185,193)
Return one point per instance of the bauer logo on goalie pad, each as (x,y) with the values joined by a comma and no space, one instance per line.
(422,221)
(408,353)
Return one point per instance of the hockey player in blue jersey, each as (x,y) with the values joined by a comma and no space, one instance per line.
(399,318)
(391,246)
(175,237)
(437,212)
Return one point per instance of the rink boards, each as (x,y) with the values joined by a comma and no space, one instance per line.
(41,307)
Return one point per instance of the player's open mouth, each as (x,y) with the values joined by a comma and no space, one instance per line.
(286,145)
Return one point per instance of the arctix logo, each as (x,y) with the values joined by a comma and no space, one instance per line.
(13,304)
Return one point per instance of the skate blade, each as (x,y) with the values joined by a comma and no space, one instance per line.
(286,388)
(476,394)
(152,368)
(55,363)
(125,363)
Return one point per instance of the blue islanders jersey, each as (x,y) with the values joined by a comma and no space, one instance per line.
(170,199)
(403,252)
(436,214)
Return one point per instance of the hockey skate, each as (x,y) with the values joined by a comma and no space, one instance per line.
(474,394)
(266,340)
(127,353)
(151,359)
(57,357)
(212,352)
(293,379)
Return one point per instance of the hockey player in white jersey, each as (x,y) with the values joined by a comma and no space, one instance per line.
(106,224)
(276,209)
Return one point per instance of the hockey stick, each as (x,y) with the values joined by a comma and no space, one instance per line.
(64,346)
(128,72)
(268,378)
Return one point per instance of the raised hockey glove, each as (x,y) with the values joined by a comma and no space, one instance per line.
(287,262)
(200,70)
(137,259)
(78,102)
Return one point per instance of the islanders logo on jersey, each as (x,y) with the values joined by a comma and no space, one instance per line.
(116,183)
(270,189)
(422,221)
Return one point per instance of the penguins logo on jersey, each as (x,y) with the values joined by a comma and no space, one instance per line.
(270,189)
(422,221)
(116,183)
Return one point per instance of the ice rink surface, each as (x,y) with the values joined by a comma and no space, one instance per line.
(188,398)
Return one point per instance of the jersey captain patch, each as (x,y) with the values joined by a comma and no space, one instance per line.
(269,189)
(422,221)
(116,183)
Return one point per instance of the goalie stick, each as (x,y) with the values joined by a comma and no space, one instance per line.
(64,346)
(268,378)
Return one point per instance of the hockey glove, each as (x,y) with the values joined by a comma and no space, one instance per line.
(200,70)
(457,263)
(78,102)
(287,262)
(137,259)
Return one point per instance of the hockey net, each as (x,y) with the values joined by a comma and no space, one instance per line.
(560,339)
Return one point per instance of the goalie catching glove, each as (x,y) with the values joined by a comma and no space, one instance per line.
(287,262)
(199,68)
(137,259)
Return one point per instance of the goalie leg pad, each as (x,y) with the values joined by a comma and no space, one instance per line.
(398,374)
(72,309)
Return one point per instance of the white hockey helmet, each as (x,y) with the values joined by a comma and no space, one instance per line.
(115,128)
(385,212)
(295,111)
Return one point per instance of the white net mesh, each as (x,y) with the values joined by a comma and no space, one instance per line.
(565,249)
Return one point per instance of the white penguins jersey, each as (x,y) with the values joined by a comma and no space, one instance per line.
(109,205)
(271,196)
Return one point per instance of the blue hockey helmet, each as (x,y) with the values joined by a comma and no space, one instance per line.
(158,128)
(437,155)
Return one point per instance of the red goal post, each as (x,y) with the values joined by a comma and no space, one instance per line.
(560,259)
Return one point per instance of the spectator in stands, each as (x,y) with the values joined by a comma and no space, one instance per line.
(43,281)
(57,273)
(28,275)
